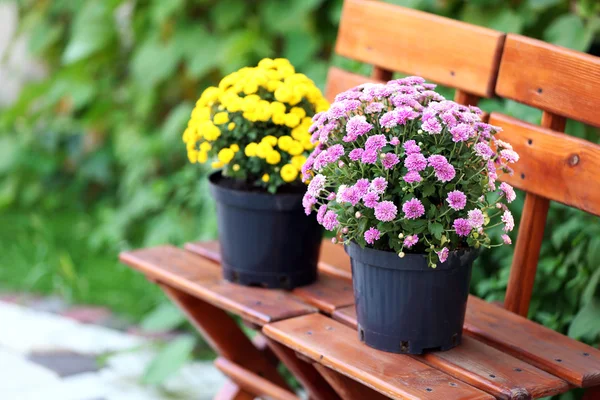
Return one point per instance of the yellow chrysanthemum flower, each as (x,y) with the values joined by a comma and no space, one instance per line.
(300,112)
(250,149)
(231,126)
(298,161)
(225,155)
(236,167)
(291,120)
(273,157)
(216,164)
(202,157)
(283,94)
(296,148)
(205,146)
(284,142)
(265,178)
(193,156)
(221,118)
(289,173)
(234,147)
(271,140)
(263,149)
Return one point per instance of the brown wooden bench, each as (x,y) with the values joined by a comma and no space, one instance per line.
(312,330)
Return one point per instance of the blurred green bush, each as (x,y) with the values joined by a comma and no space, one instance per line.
(91,160)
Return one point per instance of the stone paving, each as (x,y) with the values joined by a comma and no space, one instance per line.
(48,356)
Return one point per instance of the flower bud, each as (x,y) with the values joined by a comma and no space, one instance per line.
(420,131)
(400,236)
(341,164)
(432,246)
(334,240)
(358,214)
(382,156)
(498,205)
(401,254)
(345,230)
(475,235)
(477,245)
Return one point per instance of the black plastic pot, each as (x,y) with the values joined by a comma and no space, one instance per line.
(405,306)
(266,240)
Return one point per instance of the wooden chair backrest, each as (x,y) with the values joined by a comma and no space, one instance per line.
(398,39)
(553,166)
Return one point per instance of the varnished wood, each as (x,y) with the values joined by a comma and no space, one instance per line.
(468,99)
(333,259)
(381,74)
(552,78)
(260,342)
(563,357)
(231,391)
(327,294)
(201,278)
(316,386)
(414,42)
(484,367)
(347,388)
(251,382)
(339,81)
(337,347)
(553,165)
(592,394)
(222,333)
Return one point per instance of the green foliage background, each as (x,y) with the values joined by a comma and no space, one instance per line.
(91,160)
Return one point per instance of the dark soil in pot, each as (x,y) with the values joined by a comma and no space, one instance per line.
(266,239)
(405,306)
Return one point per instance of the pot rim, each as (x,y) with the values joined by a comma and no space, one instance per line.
(253,200)
(411,261)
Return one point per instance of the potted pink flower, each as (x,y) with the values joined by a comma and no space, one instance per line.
(408,180)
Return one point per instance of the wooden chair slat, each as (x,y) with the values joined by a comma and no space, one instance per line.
(337,347)
(327,294)
(415,42)
(566,358)
(231,391)
(484,367)
(553,165)
(347,388)
(252,382)
(339,80)
(563,81)
(200,277)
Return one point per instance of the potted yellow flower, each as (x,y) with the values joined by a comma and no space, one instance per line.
(254,126)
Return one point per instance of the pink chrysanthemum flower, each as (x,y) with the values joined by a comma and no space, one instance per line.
(510,156)
(461,132)
(432,125)
(356,126)
(412,177)
(410,241)
(330,221)
(483,150)
(462,227)
(415,162)
(307,202)
(394,141)
(411,147)
(389,160)
(369,157)
(350,195)
(508,191)
(443,254)
(509,222)
(321,213)
(506,239)
(476,218)
(456,200)
(371,199)
(316,185)
(375,142)
(386,211)
(356,154)
(372,235)
(444,171)
(378,185)
(413,209)
(374,107)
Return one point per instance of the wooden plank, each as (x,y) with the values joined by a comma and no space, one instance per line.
(339,81)
(200,277)
(563,81)
(327,294)
(231,391)
(333,260)
(552,165)
(381,74)
(224,335)
(316,386)
(462,97)
(337,347)
(252,382)
(419,43)
(561,356)
(484,367)
(347,388)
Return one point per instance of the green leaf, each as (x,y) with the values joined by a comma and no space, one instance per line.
(93,29)
(541,5)
(586,324)
(436,229)
(593,255)
(228,13)
(169,360)
(508,21)
(592,288)
(300,47)
(563,231)
(163,318)
(154,61)
(569,31)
